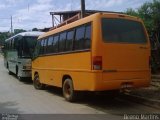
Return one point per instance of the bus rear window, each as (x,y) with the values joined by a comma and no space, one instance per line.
(122,30)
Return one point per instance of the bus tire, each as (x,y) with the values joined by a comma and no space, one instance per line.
(37,84)
(9,72)
(20,78)
(68,90)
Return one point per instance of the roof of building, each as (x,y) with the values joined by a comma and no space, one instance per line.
(78,11)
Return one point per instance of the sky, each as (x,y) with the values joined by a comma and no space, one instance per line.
(28,14)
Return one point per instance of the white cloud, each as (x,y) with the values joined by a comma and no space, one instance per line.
(36,15)
(28,14)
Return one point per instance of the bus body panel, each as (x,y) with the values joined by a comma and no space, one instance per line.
(57,66)
(11,60)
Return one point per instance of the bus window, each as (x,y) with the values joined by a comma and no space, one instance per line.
(15,43)
(28,45)
(121,30)
(42,47)
(50,43)
(79,38)
(87,43)
(69,41)
(55,44)
(45,46)
(37,49)
(12,45)
(62,41)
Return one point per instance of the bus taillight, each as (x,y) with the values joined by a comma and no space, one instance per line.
(97,63)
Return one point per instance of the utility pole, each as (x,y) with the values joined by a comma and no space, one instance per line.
(11,25)
(82,8)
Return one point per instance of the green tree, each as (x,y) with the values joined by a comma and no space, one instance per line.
(3,37)
(149,12)
(35,29)
(132,12)
(16,31)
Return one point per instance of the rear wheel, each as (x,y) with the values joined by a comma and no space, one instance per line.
(68,90)
(37,84)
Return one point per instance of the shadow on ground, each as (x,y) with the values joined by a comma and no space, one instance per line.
(9,107)
(27,81)
(105,102)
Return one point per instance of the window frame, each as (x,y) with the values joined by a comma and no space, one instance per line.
(122,42)
(58,52)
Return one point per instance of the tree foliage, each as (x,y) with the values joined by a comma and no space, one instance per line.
(3,37)
(149,12)
(16,31)
(35,29)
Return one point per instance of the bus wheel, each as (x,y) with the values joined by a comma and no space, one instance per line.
(9,72)
(37,84)
(20,78)
(68,90)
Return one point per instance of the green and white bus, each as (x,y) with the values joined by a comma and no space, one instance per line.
(18,53)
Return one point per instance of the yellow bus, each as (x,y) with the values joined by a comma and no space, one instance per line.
(104,51)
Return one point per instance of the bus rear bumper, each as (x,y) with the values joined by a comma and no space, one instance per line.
(105,81)
(121,84)
(127,80)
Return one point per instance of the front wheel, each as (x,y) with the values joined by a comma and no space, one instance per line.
(9,72)
(37,84)
(20,78)
(68,90)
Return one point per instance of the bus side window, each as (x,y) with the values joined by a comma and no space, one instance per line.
(79,38)
(62,42)
(69,40)
(45,45)
(16,43)
(50,43)
(87,43)
(12,46)
(37,49)
(55,43)
(42,47)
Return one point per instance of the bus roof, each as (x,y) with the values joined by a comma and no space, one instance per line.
(85,19)
(33,33)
